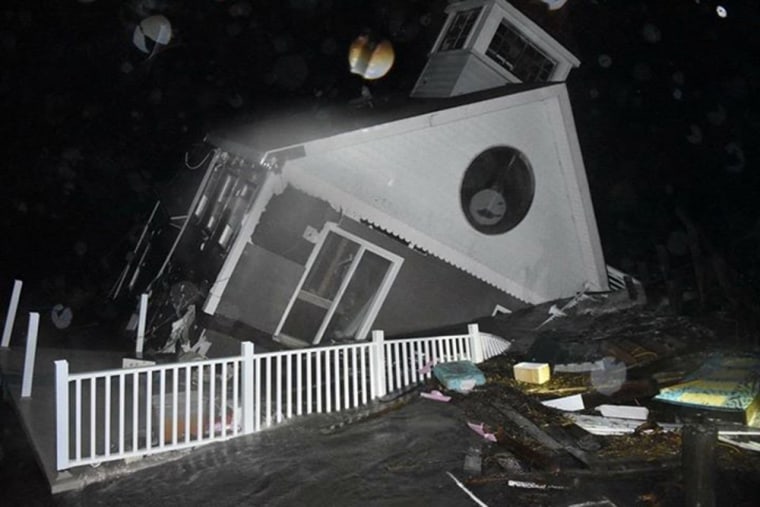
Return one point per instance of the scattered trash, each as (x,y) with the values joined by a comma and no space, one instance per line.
(427,367)
(532,373)
(460,376)
(624,411)
(532,485)
(728,385)
(436,395)
(579,367)
(480,429)
(132,362)
(508,462)
(741,442)
(568,403)
(605,426)
(464,488)
(180,333)
(555,311)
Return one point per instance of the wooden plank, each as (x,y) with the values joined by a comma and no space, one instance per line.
(538,434)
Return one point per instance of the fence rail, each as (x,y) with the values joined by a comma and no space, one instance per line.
(116,414)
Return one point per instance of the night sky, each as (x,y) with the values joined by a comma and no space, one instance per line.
(94,129)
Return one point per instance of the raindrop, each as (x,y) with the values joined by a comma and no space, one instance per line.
(156,96)
(151,33)
(679,78)
(426,19)
(240,9)
(735,150)
(651,33)
(234,29)
(61,316)
(80,248)
(235,100)
(722,12)
(718,116)
(593,93)
(677,94)
(605,61)
(554,5)
(72,154)
(282,43)
(369,58)
(610,378)
(126,68)
(695,137)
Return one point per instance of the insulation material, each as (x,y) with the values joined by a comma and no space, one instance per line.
(532,373)
(461,376)
(727,383)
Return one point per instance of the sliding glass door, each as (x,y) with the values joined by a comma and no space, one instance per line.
(345,282)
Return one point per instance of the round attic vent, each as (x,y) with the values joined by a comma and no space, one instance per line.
(497,190)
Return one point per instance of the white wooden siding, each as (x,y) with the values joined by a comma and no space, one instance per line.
(405,177)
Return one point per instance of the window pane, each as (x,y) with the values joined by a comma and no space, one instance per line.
(518,55)
(303,320)
(331,265)
(358,297)
(459,29)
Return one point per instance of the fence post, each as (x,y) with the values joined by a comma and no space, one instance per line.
(476,343)
(246,351)
(378,341)
(141,325)
(62,413)
(31,351)
(10,318)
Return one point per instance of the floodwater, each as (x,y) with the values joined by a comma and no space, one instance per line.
(399,458)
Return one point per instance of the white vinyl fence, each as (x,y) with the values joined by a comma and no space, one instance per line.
(116,414)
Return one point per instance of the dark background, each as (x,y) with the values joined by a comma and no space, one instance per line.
(94,130)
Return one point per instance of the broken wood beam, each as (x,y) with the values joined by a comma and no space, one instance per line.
(538,434)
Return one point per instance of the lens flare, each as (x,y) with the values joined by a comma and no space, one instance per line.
(369,58)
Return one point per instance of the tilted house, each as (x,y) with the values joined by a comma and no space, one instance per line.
(465,198)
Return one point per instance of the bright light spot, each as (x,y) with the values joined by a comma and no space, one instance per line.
(554,5)
(369,58)
(154,31)
(722,12)
(677,94)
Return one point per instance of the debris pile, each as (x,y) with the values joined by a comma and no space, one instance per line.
(607,402)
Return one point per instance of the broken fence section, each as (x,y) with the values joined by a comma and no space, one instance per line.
(134,412)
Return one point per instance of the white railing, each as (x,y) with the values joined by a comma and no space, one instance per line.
(131,412)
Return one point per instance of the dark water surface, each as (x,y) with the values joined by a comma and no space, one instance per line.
(400,458)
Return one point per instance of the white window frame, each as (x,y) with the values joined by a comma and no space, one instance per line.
(364,245)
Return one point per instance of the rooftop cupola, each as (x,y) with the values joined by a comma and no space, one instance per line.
(488,43)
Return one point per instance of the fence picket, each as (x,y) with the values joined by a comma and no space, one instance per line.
(335,378)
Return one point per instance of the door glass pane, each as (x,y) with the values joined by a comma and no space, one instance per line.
(330,266)
(303,320)
(358,297)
